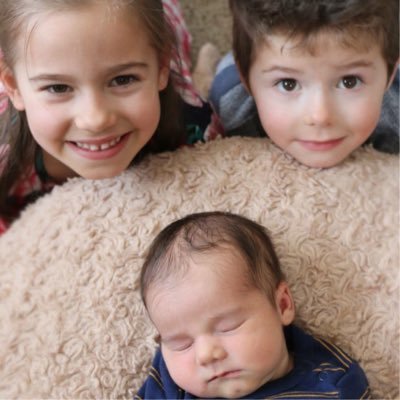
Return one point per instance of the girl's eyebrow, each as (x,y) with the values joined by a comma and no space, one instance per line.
(115,69)
(124,66)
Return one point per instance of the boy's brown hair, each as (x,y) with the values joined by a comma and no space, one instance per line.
(356,22)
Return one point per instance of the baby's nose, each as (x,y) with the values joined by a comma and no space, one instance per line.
(208,350)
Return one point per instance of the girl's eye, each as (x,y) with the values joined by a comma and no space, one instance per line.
(349,82)
(124,80)
(58,89)
(288,85)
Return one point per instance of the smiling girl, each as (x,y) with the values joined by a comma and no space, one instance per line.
(91,91)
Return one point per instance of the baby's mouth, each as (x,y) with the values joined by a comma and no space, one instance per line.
(227,374)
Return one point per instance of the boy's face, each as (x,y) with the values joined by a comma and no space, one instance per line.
(220,337)
(318,107)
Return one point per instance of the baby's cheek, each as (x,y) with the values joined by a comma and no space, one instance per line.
(182,369)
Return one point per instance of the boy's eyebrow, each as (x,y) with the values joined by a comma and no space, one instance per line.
(357,64)
(113,70)
(289,70)
(278,68)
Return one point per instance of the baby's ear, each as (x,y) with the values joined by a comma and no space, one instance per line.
(7,77)
(285,303)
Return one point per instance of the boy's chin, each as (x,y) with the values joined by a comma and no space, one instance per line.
(319,161)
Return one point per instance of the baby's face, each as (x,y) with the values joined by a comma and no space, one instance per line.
(318,107)
(219,336)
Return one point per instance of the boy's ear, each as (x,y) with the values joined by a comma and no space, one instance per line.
(395,71)
(7,77)
(244,81)
(285,303)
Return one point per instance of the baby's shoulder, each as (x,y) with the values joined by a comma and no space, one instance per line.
(325,367)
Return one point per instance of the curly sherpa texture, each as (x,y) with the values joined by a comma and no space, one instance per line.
(72,323)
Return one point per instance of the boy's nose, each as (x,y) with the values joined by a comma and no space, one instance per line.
(208,350)
(318,109)
(94,115)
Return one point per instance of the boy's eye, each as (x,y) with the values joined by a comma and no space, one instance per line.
(349,82)
(288,85)
(58,89)
(123,80)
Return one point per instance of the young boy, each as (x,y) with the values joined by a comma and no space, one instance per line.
(214,289)
(317,72)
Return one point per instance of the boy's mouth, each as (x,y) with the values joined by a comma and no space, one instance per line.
(320,145)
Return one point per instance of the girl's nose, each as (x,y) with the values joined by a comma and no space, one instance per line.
(319,109)
(94,114)
(209,350)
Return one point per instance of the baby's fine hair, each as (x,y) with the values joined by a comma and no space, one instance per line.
(205,233)
(14,130)
(356,22)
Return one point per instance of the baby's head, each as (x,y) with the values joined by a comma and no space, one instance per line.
(317,69)
(213,288)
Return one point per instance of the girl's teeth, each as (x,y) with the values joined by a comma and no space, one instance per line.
(95,147)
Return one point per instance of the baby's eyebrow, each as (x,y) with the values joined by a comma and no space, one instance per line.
(172,338)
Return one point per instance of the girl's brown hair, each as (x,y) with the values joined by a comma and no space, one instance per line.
(21,149)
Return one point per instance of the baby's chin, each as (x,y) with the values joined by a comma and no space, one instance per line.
(225,391)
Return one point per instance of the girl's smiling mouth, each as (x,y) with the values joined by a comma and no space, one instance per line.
(101,149)
(98,146)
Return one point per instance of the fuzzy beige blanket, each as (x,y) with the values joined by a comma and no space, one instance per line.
(71,320)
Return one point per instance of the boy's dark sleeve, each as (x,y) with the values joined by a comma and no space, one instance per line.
(354,384)
(158,384)
(386,135)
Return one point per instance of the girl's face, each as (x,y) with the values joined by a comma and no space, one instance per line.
(89,82)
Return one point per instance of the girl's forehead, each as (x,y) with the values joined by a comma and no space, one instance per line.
(104,12)
(85,28)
